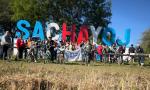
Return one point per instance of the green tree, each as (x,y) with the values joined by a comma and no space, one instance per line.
(30,10)
(5,15)
(95,12)
(146,41)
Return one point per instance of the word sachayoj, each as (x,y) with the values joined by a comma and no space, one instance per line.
(83,34)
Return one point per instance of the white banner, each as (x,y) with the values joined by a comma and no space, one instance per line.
(71,56)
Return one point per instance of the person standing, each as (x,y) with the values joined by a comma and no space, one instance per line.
(131,49)
(1,50)
(20,46)
(73,47)
(44,49)
(132,52)
(55,49)
(32,52)
(70,46)
(105,53)
(100,52)
(88,49)
(113,51)
(36,51)
(25,49)
(82,46)
(140,50)
(51,49)
(121,50)
(29,42)
(60,53)
(93,53)
(6,43)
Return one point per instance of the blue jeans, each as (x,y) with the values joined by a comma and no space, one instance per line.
(140,60)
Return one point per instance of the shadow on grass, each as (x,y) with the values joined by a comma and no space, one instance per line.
(73,63)
(147,65)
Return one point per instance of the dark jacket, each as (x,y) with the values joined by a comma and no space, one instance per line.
(139,50)
(131,50)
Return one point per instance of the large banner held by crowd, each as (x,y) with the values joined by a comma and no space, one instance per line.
(71,56)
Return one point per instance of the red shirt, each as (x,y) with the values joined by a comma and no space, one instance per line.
(100,49)
(20,43)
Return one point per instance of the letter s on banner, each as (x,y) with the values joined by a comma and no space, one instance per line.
(127,38)
(105,39)
(23,29)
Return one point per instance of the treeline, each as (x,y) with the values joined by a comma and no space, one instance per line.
(145,42)
(91,12)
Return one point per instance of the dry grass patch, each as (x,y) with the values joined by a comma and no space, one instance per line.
(39,76)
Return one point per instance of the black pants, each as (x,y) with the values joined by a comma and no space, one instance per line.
(5,49)
(25,53)
(52,55)
(55,54)
(87,57)
(1,52)
(20,52)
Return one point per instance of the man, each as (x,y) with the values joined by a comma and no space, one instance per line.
(60,53)
(37,50)
(6,43)
(105,53)
(113,50)
(25,49)
(121,50)
(88,48)
(132,51)
(1,50)
(82,46)
(140,50)
(44,49)
(55,49)
(51,49)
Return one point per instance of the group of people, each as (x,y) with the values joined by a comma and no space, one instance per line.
(52,50)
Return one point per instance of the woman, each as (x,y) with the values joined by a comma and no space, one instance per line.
(20,46)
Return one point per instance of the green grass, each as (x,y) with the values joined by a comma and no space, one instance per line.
(21,75)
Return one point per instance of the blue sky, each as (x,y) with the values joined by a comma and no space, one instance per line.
(133,14)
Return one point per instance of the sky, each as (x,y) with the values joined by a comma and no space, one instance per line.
(133,14)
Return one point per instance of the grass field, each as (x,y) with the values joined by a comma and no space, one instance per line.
(98,76)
